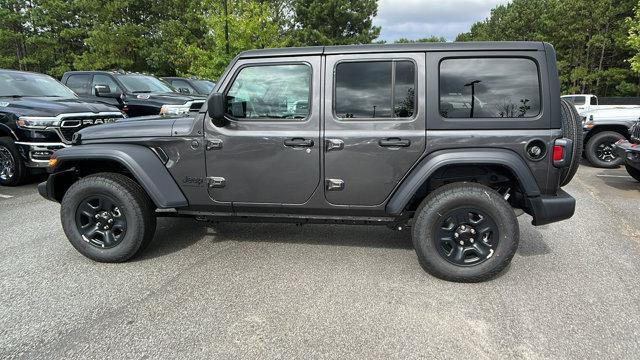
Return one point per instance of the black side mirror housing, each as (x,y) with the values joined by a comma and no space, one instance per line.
(105,91)
(184,91)
(215,108)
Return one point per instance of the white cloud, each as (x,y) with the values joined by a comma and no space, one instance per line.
(415,19)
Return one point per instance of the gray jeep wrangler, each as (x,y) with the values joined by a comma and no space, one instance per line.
(452,140)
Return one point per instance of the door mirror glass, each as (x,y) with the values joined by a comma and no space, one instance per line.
(215,108)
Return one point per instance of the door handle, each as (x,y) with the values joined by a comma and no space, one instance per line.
(394,142)
(298,142)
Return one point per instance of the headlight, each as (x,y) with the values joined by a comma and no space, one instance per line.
(175,109)
(37,122)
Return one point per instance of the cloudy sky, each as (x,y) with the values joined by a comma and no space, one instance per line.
(414,19)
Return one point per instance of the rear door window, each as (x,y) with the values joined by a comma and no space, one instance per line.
(80,83)
(489,88)
(375,89)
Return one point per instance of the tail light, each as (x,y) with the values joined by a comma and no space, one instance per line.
(562,152)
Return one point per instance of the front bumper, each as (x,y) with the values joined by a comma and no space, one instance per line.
(629,152)
(549,208)
(37,154)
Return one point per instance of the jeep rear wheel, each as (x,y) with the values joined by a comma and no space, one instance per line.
(108,217)
(465,232)
(12,169)
(600,151)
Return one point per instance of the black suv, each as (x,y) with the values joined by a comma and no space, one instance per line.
(191,85)
(629,151)
(135,94)
(38,115)
(450,139)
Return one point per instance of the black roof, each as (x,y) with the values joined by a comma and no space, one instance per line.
(385,48)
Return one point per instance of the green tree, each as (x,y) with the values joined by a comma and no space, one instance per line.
(251,24)
(430,39)
(333,22)
(634,39)
(590,37)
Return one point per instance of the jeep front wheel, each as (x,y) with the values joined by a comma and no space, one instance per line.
(108,217)
(600,150)
(465,232)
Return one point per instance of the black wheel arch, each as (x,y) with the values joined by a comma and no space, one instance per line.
(503,162)
(135,161)
(621,129)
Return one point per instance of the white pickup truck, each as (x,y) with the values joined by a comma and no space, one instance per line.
(587,102)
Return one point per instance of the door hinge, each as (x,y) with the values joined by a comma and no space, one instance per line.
(334,184)
(216,182)
(334,144)
(215,144)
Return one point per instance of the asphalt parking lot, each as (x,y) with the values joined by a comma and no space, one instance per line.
(318,291)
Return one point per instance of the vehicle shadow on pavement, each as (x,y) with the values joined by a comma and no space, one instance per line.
(173,235)
(532,242)
(314,234)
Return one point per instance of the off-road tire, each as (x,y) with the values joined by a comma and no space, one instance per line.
(136,206)
(572,129)
(635,173)
(20,172)
(592,146)
(432,213)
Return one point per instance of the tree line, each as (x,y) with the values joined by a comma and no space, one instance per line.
(598,41)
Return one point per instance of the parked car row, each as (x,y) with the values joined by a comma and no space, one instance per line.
(603,127)
(39,115)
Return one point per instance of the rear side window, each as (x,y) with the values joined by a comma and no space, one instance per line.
(375,89)
(489,88)
(80,83)
(270,92)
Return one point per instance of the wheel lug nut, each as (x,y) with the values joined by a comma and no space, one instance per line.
(473,231)
(110,221)
(456,235)
(471,240)
(461,242)
(97,216)
(463,228)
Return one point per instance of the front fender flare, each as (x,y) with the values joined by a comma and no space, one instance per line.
(141,161)
(476,156)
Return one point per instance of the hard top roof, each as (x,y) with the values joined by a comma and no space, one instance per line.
(387,48)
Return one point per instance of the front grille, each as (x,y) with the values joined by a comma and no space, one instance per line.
(71,124)
(196,105)
(635,132)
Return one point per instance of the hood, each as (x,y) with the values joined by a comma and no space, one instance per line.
(142,126)
(166,98)
(51,106)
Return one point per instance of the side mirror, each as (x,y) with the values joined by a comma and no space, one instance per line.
(215,108)
(105,91)
(184,91)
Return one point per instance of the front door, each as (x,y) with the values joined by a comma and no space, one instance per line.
(374,124)
(268,151)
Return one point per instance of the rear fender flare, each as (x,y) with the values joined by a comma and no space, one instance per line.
(472,156)
(141,161)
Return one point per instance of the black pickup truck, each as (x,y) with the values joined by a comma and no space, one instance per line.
(134,93)
(39,115)
(629,151)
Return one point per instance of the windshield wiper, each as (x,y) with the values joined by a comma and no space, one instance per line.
(141,92)
(13,96)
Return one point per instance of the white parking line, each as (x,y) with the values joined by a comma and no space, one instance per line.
(615,176)
(5,196)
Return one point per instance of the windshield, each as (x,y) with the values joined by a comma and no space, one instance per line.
(19,84)
(137,83)
(204,86)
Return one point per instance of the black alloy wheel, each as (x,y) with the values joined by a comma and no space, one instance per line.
(467,237)
(7,164)
(605,152)
(101,222)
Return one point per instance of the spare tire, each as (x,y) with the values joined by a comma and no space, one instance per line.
(571,129)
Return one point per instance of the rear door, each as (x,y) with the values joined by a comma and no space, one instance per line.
(374,124)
